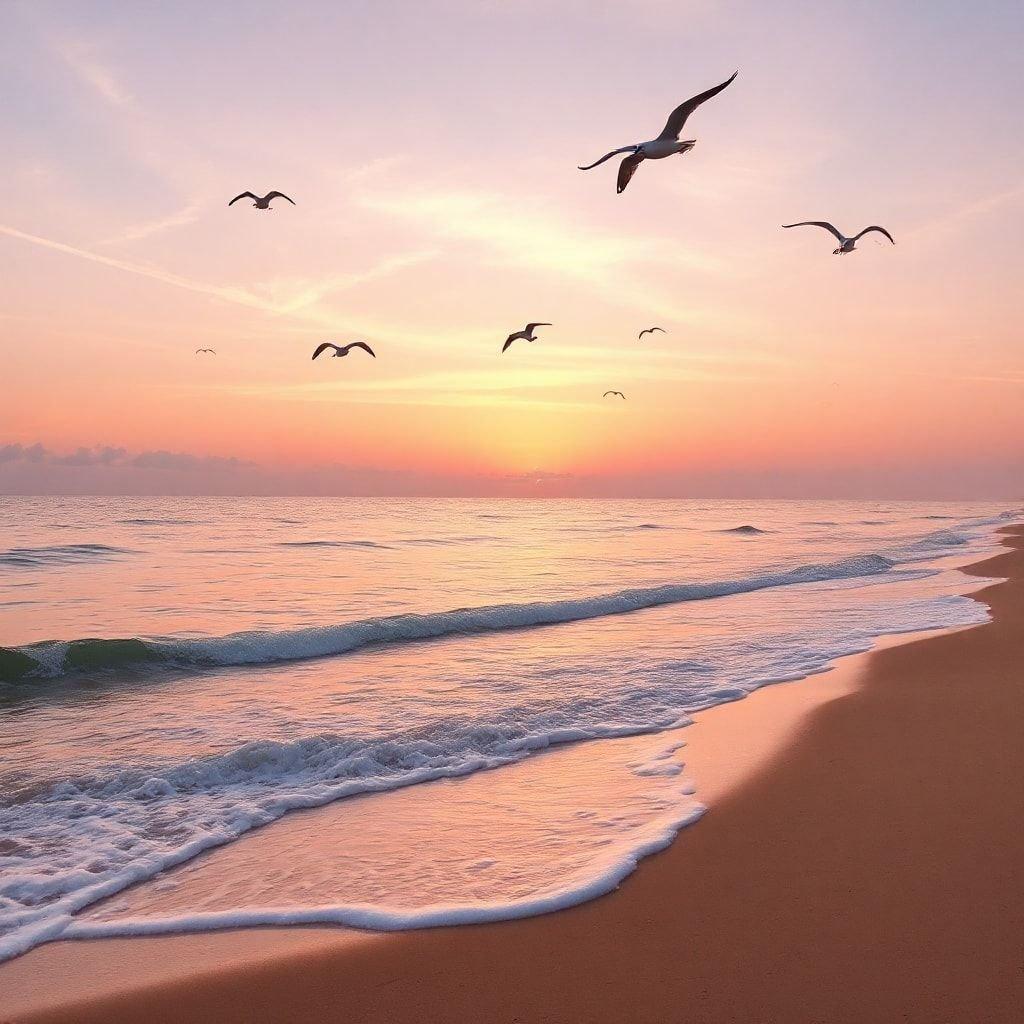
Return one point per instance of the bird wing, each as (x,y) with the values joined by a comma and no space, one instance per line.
(323,346)
(608,156)
(510,339)
(650,330)
(818,224)
(242,196)
(363,346)
(530,327)
(626,171)
(875,227)
(275,195)
(676,120)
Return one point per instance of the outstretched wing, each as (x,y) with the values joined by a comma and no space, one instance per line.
(363,346)
(530,327)
(243,195)
(509,340)
(626,171)
(608,156)
(818,224)
(650,330)
(676,120)
(875,227)
(323,347)
(277,195)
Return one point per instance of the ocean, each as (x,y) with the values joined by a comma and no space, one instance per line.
(177,674)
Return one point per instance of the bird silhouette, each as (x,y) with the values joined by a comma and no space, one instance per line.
(261,202)
(210,350)
(845,244)
(666,144)
(528,333)
(619,393)
(650,330)
(343,350)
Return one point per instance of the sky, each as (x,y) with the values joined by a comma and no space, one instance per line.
(432,151)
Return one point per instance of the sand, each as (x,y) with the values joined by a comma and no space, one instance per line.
(864,864)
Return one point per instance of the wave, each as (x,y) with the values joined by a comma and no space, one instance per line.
(748,531)
(334,544)
(445,541)
(158,522)
(59,658)
(59,554)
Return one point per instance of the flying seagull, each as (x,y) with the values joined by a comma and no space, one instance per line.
(343,350)
(845,244)
(261,203)
(666,144)
(210,350)
(619,393)
(650,330)
(528,333)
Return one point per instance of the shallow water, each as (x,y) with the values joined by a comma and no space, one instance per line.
(178,672)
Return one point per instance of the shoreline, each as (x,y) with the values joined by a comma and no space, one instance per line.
(658,946)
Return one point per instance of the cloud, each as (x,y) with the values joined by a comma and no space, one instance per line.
(298,298)
(99,456)
(971,211)
(133,233)
(537,236)
(108,455)
(20,453)
(184,460)
(82,60)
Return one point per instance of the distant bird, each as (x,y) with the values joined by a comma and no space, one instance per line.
(343,350)
(666,144)
(619,393)
(210,350)
(528,333)
(845,244)
(261,203)
(650,330)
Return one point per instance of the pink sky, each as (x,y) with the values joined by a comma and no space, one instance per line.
(432,151)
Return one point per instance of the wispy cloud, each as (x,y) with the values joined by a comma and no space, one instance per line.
(299,296)
(133,233)
(964,215)
(82,58)
(536,236)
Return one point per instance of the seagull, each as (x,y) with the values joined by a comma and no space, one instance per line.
(666,144)
(528,333)
(619,393)
(343,350)
(845,244)
(650,330)
(210,350)
(261,203)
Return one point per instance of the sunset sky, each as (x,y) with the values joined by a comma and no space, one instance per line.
(431,148)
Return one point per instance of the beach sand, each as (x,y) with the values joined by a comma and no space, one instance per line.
(863,862)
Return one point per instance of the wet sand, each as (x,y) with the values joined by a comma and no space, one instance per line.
(864,864)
